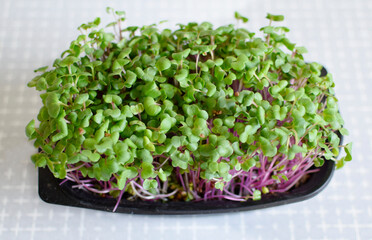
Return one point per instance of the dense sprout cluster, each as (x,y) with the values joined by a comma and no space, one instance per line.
(192,114)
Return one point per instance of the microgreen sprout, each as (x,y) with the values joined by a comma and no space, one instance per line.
(195,114)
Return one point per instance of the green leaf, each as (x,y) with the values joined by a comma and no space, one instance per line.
(41,69)
(288,44)
(261,115)
(148,144)
(123,154)
(256,195)
(110,98)
(178,141)
(137,109)
(52,104)
(211,89)
(30,128)
(145,155)
(301,50)
(150,184)
(120,13)
(225,149)
(82,98)
(275,18)
(238,16)
(93,157)
(147,170)
(237,149)
(124,53)
(163,175)
(181,77)
(348,150)
(106,168)
(219,185)
(219,73)
(169,89)
(309,105)
(223,168)
(119,127)
(162,64)
(181,55)
(248,131)
(105,145)
(165,125)
(294,150)
(62,127)
(344,131)
(41,84)
(128,173)
(98,116)
(339,164)
(181,160)
(312,135)
(151,107)
(248,164)
(149,74)
(47,149)
(238,66)
(39,159)
(130,78)
(89,143)
(286,67)
(268,149)
(213,167)
(68,61)
(229,121)
(151,90)
(279,62)
(114,113)
(318,162)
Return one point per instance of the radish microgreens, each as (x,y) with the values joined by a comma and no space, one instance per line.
(198,113)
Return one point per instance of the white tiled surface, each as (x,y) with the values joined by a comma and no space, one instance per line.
(337,34)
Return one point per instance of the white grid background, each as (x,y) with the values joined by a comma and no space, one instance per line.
(336,33)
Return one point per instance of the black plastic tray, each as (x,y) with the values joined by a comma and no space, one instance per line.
(51,192)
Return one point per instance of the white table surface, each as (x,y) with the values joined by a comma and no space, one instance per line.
(336,33)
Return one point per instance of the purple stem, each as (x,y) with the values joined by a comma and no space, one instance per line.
(119,198)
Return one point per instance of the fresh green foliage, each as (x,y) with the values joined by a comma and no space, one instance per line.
(198,110)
